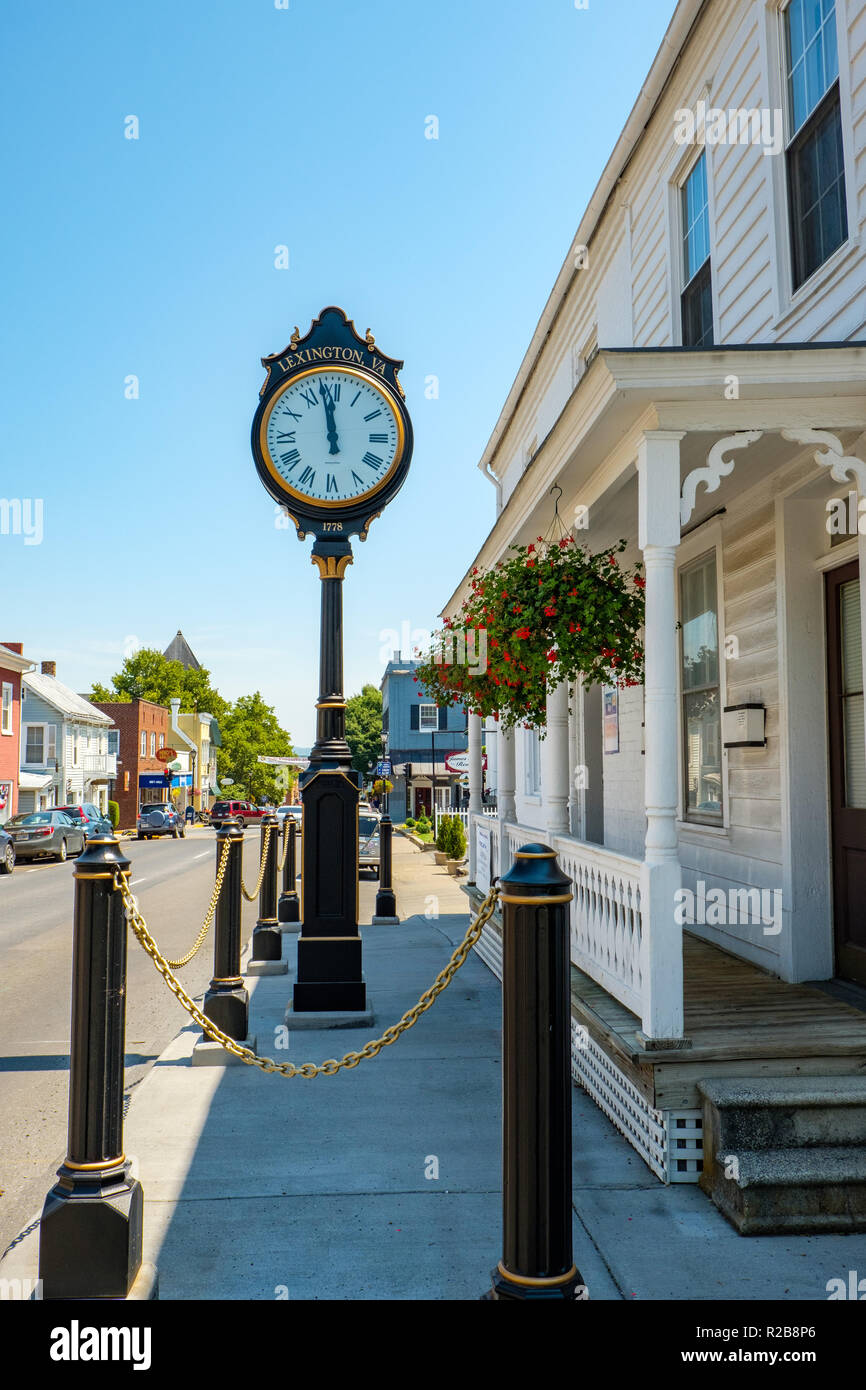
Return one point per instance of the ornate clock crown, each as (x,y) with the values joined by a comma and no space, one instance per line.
(332,333)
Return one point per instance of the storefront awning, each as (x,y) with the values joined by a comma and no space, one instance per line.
(34,781)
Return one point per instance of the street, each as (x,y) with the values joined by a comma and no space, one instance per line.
(172,880)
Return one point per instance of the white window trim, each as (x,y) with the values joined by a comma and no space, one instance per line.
(142,744)
(425,729)
(788,304)
(674,173)
(704,539)
(7,686)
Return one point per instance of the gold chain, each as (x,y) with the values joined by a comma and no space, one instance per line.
(282,860)
(251,897)
(214,899)
(307,1069)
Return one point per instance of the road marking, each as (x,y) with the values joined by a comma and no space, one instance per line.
(137,880)
(205,855)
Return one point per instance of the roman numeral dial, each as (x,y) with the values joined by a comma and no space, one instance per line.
(332,436)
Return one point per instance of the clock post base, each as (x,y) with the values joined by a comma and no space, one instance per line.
(329,996)
(329,975)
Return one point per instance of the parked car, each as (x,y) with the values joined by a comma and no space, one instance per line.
(243,812)
(7,852)
(296,813)
(368,843)
(89,818)
(159,818)
(45,832)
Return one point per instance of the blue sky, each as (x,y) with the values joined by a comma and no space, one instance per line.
(261,127)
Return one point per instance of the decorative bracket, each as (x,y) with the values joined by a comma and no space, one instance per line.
(844,468)
(718,467)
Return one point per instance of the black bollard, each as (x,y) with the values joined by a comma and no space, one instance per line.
(267,937)
(90,1235)
(386,902)
(227,1003)
(537,1257)
(289,907)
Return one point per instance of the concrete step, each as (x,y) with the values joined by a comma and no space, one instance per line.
(786,1154)
(792,1112)
(789,1191)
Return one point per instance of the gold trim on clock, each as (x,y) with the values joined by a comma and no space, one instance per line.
(370,380)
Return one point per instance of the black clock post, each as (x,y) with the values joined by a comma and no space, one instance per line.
(332,442)
(330,976)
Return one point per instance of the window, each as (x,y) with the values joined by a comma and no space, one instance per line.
(162,740)
(428,718)
(144,743)
(6,714)
(701,691)
(532,768)
(697,297)
(40,744)
(153,745)
(75,737)
(114,741)
(817,206)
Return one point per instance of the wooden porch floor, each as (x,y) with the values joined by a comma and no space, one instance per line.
(741,1022)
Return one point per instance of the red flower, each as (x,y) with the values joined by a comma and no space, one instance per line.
(551,655)
(529,565)
(640,583)
(574,627)
(572,593)
(550,612)
(516,608)
(522,632)
(530,549)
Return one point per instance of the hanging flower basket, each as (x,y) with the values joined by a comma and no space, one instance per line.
(549,613)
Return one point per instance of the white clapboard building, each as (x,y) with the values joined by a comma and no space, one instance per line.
(697,384)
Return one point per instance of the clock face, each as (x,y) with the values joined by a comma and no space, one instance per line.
(332,436)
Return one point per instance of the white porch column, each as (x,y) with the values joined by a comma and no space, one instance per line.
(658,537)
(505,802)
(554,762)
(474,727)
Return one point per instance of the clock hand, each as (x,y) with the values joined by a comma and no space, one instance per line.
(329,417)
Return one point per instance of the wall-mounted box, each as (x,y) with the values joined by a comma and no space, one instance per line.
(744,726)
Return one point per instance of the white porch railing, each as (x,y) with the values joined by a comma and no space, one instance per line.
(606,918)
(607,925)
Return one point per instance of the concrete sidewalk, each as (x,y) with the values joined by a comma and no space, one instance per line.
(384,1182)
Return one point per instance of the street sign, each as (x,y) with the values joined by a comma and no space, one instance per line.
(383,767)
(166,755)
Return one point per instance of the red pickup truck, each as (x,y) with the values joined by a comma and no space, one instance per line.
(243,812)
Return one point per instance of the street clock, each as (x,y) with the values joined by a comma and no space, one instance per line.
(331,438)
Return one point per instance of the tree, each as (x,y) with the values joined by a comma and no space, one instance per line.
(147,675)
(364,727)
(249,729)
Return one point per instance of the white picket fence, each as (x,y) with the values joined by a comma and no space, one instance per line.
(489,812)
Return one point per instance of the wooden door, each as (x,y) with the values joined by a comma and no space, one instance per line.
(847,769)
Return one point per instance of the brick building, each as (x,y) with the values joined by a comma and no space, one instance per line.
(12,665)
(143,728)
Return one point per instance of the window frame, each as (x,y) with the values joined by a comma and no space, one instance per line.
(142,743)
(674,173)
(790,305)
(47,741)
(7,726)
(706,538)
(422,728)
(706,267)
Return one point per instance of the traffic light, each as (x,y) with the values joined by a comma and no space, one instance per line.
(407,772)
